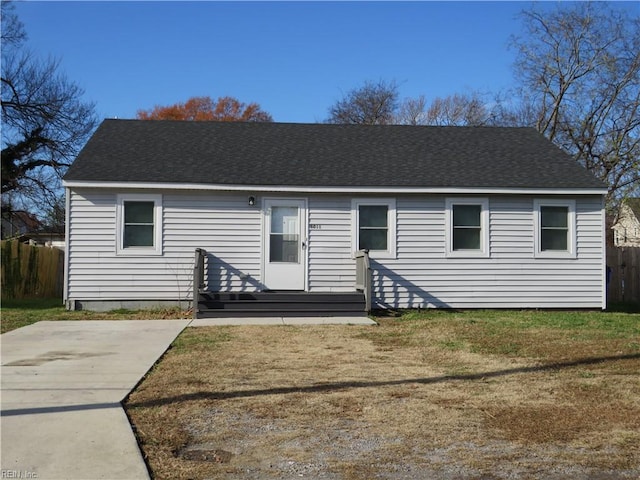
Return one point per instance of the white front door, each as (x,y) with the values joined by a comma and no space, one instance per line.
(284,244)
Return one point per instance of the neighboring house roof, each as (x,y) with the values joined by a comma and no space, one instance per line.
(325,155)
(634,206)
(17,222)
(627,224)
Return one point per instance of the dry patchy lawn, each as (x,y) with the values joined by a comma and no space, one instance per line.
(482,395)
(23,312)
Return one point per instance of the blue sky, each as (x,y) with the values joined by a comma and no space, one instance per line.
(294,58)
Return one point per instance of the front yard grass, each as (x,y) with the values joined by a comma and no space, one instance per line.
(431,394)
(23,312)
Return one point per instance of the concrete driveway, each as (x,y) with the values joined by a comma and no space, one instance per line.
(62,384)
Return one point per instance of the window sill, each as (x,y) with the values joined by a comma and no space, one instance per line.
(467,254)
(556,255)
(138,252)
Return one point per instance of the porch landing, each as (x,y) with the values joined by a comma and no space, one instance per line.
(280,304)
(216,322)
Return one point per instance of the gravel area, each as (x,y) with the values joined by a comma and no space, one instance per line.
(324,454)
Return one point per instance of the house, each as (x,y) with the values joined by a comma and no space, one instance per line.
(52,237)
(18,222)
(626,229)
(447,217)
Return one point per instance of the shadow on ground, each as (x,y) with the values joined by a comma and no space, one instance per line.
(336,386)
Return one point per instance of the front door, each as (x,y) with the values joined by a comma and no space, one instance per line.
(284,244)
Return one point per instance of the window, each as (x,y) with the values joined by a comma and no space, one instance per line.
(467,227)
(284,234)
(374,226)
(139,225)
(555,228)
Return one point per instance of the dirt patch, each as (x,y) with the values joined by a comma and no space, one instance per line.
(577,410)
(406,400)
(52,357)
(205,453)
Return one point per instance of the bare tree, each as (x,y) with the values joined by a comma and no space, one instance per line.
(371,104)
(44,122)
(580,69)
(412,111)
(12,28)
(509,109)
(457,110)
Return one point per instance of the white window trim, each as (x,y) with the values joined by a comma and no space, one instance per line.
(157,221)
(571,224)
(390,203)
(484,227)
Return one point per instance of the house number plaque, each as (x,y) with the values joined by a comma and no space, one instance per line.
(315,226)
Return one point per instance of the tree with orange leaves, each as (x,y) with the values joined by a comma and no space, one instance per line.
(224,109)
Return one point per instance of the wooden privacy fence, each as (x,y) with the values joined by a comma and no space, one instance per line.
(623,274)
(31,271)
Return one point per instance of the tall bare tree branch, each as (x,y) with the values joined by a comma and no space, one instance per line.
(375,103)
(44,121)
(579,72)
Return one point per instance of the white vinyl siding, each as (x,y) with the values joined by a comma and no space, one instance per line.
(225,225)
(420,275)
(331,264)
(512,277)
(423,275)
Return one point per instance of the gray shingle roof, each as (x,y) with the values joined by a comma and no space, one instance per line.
(321,155)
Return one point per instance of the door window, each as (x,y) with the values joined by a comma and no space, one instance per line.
(284,235)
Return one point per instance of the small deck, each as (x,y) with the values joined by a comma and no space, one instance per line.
(280,304)
(212,304)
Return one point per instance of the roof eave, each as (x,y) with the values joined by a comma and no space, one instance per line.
(334,189)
